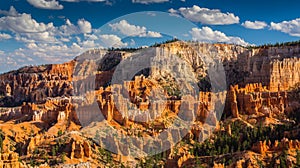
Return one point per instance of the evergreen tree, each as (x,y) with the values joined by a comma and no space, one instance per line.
(53,151)
(298,158)
(283,158)
(1,143)
(63,157)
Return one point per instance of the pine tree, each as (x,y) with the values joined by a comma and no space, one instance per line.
(63,157)
(197,161)
(53,151)
(283,158)
(226,149)
(298,158)
(1,143)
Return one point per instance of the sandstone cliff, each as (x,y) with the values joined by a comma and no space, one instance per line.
(45,103)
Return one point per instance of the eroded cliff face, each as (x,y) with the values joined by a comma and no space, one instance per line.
(47,101)
(284,74)
(255,99)
(277,68)
(36,84)
(273,67)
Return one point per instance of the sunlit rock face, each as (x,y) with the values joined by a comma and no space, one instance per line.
(50,99)
(36,84)
(277,68)
(257,81)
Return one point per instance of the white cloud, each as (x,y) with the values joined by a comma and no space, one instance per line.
(127,29)
(149,1)
(206,34)
(91,36)
(172,11)
(4,36)
(65,39)
(43,42)
(52,53)
(89,44)
(12,12)
(206,16)
(153,34)
(46,37)
(84,26)
(28,29)
(291,27)
(41,53)
(23,23)
(132,30)
(110,40)
(255,24)
(84,0)
(46,4)
(69,28)
(54,34)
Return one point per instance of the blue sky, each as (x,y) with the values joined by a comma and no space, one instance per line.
(53,31)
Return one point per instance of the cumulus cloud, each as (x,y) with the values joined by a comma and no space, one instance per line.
(127,29)
(206,16)
(53,52)
(27,29)
(132,30)
(111,40)
(206,34)
(4,36)
(69,28)
(46,37)
(12,12)
(42,53)
(46,4)
(84,0)
(153,34)
(23,23)
(54,34)
(149,1)
(255,24)
(291,27)
(32,54)
(84,26)
(89,44)
(91,36)
(173,11)
(43,42)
